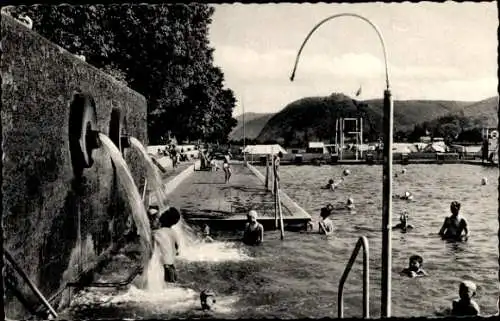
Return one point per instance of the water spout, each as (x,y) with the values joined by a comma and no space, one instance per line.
(126,180)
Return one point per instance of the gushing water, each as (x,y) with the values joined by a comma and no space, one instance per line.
(127,182)
(154,179)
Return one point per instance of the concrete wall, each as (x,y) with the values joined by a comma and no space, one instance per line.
(54,224)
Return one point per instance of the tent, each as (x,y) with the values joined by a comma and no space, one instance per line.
(435,148)
(263,149)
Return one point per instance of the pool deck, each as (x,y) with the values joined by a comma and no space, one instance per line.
(203,197)
(395,161)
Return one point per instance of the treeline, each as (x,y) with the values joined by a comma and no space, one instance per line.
(161,51)
(452,128)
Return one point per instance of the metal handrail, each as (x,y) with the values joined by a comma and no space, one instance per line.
(33,287)
(362,242)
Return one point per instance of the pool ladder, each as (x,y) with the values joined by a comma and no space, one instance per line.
(361,243)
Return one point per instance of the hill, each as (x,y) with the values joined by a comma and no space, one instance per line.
(254,122)
(407,113)
(485,111)
(313,118)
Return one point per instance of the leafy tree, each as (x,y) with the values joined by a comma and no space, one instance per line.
(161,51)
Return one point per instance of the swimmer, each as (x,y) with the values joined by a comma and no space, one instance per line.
(403,225)
(347,172)
(350,204)
(465,306)
(403,171)
(207,299)
(326,224)
(454,226)
(206,234)
(407,196)
(254,231)
(414,268)
(484,181)
(332,185)
(153,215)
(227,167)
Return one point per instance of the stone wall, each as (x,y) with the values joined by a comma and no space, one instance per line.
(55,224)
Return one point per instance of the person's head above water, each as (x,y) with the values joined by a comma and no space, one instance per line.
(404,217)
(415,262)
(252,216)
(325,212)
(330,181)
(170,217)
(350,201)
(467,290)
(455,207)
(403,170)
(346,172)
(484,181)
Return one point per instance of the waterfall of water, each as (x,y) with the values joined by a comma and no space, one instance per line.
(154,178)
(126,180)
(191,247)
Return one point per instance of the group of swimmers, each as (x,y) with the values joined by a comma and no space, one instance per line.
(454,228)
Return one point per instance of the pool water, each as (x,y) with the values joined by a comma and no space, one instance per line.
(299,277)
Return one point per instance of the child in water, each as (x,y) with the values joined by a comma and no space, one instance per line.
(326,224)
(254,231)
(206,234)
(465,306)
(350,204)
(403,225)
(332,185)
(414,268)
(167,241)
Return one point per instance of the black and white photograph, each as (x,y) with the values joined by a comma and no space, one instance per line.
(250,160)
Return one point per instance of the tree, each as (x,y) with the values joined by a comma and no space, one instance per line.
(161,51)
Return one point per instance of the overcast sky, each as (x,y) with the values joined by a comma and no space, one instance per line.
(435,50)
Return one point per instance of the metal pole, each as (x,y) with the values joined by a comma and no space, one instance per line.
(336,143)
(387,190)
(32,286)
(282,228)
(357,138)
(361,134)
(144,191)
(244,128)
(267,172)
(387,206)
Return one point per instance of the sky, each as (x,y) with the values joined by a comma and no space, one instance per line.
(445,51)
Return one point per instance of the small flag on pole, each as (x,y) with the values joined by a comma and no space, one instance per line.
(358,92)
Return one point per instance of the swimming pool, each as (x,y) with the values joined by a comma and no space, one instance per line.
(299,277)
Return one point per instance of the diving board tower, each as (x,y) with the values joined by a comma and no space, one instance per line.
(349,130)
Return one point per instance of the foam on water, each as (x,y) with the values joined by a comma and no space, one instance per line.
(127,182)
(171,298)
(191,247)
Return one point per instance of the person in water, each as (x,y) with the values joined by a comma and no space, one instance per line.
(254,231)
(454,226)
(206,234)
(350,204)
(403,223)
(326,224)
(166,239)
(332,185)
(407,196)
(226,167)
(415,267)
(465,306)
(153,212)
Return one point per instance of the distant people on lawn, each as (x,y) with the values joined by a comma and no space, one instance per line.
(227,167)
(254,231)
(454,227)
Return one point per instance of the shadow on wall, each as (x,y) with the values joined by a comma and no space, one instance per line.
(61,206)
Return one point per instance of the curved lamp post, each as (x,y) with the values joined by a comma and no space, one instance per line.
(387,173)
